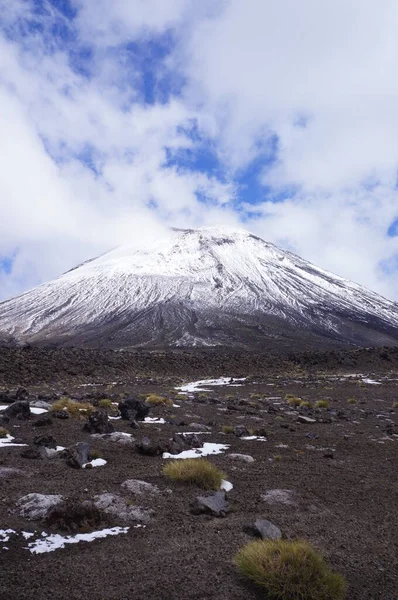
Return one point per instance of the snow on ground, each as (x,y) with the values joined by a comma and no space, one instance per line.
(97,462)
(226,485)
(154,420)
(371,381)
(38,411)
(259,438)
(6,442)
(207,449)
(49,543)
(197,386)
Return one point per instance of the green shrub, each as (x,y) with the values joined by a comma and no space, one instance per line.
(4,432)
(75,409)
(195,471)
(227,428)
(289,570)
(156,400)
(322,404)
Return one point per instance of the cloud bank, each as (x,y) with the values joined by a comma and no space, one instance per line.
(120,120)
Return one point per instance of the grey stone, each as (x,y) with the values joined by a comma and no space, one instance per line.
(241,457)
(136,486)
(40,404)
(77,456)
(215,504)
(117,437)
(98,422)
(278,496)
(305,420)
(241,431)
(267,530)
(37,506)
(116,506)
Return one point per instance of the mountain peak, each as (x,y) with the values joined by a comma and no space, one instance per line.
(201,287)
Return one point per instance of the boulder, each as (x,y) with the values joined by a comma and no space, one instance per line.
(36,506)
(139,488)
(241,457)
(132,409)
(241,431)
(149,448)
(98,422)
(18,410)
(78,455)
(215,504)
(264,529)
(116,506)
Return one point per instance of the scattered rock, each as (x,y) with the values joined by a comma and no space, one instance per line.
(264,529)
(32,452)
(116,506)
(149,448)
(132,409)
(117,437)
(328,453)
(78,455)
(98,422)
(305,420)
(241,457)
(241,431)
(60,414)
(138,487)
(36,506)
(277,496)
(216,504)
(40,404)
(18,410)
(45,440)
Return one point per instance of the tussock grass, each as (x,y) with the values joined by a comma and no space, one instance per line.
(227,429)
(306,404)
(293,570)
(75,409)
(195,471)
(105,403)
(293,400)
(156,400)
(4,432)
(351,401)
(395,405)
(322,404)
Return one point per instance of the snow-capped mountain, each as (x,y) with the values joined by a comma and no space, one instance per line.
(202,287)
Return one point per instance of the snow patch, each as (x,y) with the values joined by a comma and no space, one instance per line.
(97,462)
(207,449)
(55,541)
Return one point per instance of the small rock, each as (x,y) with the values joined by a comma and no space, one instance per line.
(60,414)
(18,410)
(44,421)
(78,455)
(264,529)
(311,435)
(117,506)
(37,506)
(45,440)
(241,457)
(216,504)
(199,427)
(32,453)
(241,431)
(149,448)
(98,422)
(328,453)
(278,496)
(138,487)
(305,420)
(132,409)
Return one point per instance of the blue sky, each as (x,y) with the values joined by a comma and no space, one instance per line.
(120,120)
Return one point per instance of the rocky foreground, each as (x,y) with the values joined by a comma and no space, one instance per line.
(308,452)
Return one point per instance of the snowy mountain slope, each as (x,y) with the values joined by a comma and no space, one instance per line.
(201,287)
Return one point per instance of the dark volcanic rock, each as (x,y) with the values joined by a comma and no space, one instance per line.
(18,410)
(44,421)
(215,504)
(264,529)
(72,517)
(48,441)
(241,431)
(32,452)
(132,409)
(98,422)
(149,448)
(60,414)
(78,455)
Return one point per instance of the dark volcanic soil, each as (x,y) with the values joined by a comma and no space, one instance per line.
(342,470)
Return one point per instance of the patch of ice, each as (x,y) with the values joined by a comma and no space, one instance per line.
(6,441)
(259,438)
(55,541)
(97,462)
(207,449)
(27,534)
(114,418)
(195,432)
(154,420)
(60,448)
(176,405)
(197,386)
(226,485)
(371,381)
(38,411)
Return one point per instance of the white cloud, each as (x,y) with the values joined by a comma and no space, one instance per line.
(322,77)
